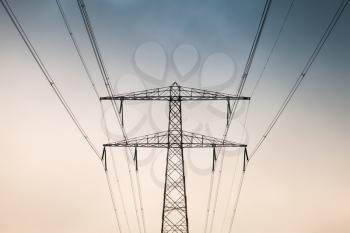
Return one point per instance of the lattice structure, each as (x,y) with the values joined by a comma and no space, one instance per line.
(175,139)
(189,140)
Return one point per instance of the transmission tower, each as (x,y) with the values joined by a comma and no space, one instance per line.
(175,139)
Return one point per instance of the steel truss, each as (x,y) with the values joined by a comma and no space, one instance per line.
(175,139)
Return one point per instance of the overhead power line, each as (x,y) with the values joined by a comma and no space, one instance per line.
(113,200)
(235,171)
(83,62)
(76,46)
(285,19)
(297,84)
(303,73)
(47,75)
(101,65)
(104,73)
(253,49)
(234,107)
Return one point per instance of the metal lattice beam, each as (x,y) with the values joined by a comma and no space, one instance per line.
(184,94)
(189,140)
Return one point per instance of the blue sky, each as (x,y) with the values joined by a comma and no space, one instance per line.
(298,181)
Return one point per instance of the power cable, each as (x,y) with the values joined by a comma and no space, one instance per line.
(234,172)
(48,77)
(285,19)
(235,104)
(237,199)
(76,46)
(98,56)
(112,198)
(305,70)
(297,84)
(227,206)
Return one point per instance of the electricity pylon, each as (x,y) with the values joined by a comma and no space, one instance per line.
(175,139)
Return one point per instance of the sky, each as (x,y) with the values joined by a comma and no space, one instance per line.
(297,182)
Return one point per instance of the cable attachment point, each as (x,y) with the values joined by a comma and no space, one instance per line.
(121,112)
(104,158)
(229,112)
(214,158)
(245,159)
(135,158)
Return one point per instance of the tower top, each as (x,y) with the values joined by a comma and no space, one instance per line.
(175,84)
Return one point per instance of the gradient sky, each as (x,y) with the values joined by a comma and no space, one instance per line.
(297,183)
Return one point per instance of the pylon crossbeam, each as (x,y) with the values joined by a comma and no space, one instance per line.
(182,94)
(189,140)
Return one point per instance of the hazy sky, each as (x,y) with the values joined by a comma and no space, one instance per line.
(297,183)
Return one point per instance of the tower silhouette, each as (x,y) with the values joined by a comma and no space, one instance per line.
(175,139)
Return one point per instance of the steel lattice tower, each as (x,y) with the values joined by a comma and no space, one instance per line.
(174,217)
(175,139)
